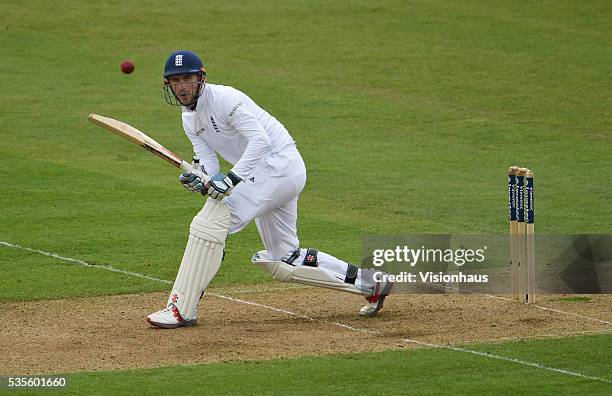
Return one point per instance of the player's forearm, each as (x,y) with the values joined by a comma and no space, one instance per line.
(208,158)
(210,165)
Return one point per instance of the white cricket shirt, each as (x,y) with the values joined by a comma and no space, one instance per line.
(228,122)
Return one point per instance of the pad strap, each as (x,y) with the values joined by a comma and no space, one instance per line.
(351,274)
(311,257)
(289,260)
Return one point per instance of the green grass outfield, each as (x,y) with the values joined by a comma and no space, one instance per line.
(431,99)
(394,372)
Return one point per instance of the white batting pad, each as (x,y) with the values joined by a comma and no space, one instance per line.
(312,276)
(202,257)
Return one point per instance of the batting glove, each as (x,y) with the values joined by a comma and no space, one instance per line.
(193,181)
(221,185)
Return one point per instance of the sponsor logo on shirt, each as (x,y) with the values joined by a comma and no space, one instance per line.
(200,131)
(231,114)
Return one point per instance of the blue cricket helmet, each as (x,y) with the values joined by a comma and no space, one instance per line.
(182,62)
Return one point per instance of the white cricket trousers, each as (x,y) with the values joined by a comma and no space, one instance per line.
(270,198)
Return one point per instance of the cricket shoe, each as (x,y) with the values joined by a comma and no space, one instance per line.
(169,318)
(375,301)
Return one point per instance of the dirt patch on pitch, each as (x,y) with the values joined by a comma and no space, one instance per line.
(109,333)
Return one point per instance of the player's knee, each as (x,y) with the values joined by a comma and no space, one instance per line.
(279,270)
(212,222)
(302,267)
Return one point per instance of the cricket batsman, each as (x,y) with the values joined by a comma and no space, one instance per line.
(264,184)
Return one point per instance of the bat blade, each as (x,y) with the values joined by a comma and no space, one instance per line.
(137,137)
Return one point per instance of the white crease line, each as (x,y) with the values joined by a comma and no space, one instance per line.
(509,359)
(456,349)
(85,263)
(293,313)
(570,313)
(534,337)
(258,305)
(528,305)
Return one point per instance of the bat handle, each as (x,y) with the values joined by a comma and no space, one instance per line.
(186,166)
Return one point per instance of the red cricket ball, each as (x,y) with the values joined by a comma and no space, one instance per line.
(127,66)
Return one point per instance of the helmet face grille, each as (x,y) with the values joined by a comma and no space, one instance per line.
(170,97)
(170,93)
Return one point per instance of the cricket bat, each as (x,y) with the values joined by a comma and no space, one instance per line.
(135,136)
